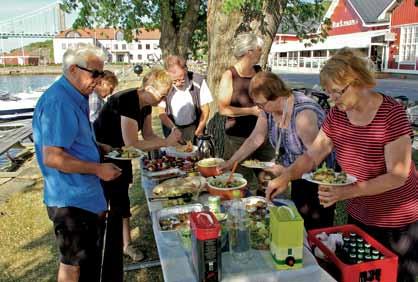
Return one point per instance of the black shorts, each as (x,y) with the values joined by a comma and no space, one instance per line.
(79,236)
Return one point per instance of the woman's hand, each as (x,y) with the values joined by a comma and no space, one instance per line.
(106,149)
(278,185)
(225,166)
(276,170)
(329,195)
(255,110)
(174,138)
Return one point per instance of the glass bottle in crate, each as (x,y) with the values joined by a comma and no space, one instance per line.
(238,230)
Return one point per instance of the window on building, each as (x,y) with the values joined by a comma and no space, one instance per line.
(408,49)
(64,46)
(119,36)
(320,53)
(115,46)
(139,46)
(123,46)
(72,34)
(147,46)
(150,57)
(131,57)
(140,57)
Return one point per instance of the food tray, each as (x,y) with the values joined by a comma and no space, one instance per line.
(351,272)
(173,211)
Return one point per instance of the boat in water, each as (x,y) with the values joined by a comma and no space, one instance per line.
(18,106)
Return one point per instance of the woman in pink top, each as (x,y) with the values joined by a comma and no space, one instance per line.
(372,139)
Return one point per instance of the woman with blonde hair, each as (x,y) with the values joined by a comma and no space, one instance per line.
(291,120)
(125,114)
(371,135)
(235,102)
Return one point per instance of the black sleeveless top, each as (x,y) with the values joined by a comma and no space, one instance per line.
(244,125)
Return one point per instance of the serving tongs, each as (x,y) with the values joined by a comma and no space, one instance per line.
(187,197)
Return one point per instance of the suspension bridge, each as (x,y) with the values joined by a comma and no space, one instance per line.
(44,22)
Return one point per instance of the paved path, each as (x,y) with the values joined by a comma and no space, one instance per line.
(389,86)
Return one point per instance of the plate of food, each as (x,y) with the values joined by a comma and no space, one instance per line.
(178,186)
(257,164)
(327,176)
(182,151)
(125,153)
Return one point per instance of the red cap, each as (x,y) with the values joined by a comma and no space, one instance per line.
(204,225)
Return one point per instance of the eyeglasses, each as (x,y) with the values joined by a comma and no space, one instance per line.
(261,105)
(175,81)
(94,73)
(341,92)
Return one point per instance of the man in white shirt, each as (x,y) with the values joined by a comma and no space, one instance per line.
(101,91)
(186,107)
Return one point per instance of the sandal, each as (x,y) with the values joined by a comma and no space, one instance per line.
(135,255)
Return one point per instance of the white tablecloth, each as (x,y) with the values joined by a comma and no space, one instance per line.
(176,264)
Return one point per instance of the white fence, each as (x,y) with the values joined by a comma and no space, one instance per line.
(306,64)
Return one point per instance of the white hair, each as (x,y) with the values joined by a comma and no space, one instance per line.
(245,42)
(80,56)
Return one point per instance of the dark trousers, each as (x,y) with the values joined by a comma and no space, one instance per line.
(402,241)
(305,196)
(113,244)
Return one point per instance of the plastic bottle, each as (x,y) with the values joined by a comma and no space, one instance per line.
(238,229)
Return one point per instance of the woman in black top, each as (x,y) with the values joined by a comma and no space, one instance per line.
(124,115)
(236,104)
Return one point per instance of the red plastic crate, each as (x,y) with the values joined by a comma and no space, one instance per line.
(351,272)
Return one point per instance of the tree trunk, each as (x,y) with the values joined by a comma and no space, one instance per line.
(272,12)
(176,34)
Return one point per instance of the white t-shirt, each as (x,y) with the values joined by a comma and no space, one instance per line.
(182,104)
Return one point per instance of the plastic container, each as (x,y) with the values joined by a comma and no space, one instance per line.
(239,230)
(206,246)
(387,266)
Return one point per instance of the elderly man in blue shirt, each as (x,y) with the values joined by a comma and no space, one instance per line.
(69,159)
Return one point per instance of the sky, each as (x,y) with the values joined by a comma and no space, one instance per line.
(13,8)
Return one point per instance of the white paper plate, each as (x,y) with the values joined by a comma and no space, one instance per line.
(260,165)
(350,180)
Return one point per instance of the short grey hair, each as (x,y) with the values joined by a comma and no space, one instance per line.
(245,42)
(80,56)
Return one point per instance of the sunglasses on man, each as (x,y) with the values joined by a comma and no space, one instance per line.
(94,73)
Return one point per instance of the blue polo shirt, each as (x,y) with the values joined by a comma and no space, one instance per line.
(61,119)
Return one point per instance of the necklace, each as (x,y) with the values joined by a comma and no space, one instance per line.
(279,133)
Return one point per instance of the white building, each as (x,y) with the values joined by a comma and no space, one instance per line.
(144,47)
